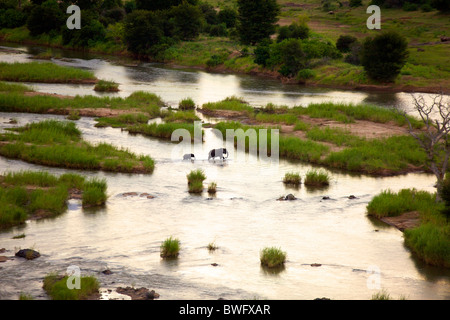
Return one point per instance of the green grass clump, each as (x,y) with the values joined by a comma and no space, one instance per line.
(14,87)
(272,257)
(94,193)
(56,287)
(170,248)
(59,144)
(391,204)
(317,178)
(106,86)
(431,242)
(292,178)
(231,103)
(195,181)
(212,188)
(186,104)
(26,194)
(180,116)
(43,72)
(122,121)
(288,119)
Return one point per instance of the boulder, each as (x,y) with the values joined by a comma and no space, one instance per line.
(28,254)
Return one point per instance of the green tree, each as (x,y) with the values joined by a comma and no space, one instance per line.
(384,55)
(45,18)
(160,4)
(344,42)
(187,20)
(257,19)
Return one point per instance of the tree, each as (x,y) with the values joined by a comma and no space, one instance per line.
(434,140)
(257,19)
(153,5)
(142,31)
(228,16)
(187,20)
(344,42)
(384,55)
(293,31)
(45,18)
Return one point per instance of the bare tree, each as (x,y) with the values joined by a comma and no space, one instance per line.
(434,138)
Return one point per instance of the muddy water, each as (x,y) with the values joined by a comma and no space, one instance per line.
(354,256)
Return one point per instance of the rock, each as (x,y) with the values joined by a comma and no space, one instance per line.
(150,197)
(138,294)
(323,298)
(107,272)
(28,254)
(326,198)
(3,259)
(352,197)
(290,197)
(214,264)
(2,250)
(445,39)
(315,265)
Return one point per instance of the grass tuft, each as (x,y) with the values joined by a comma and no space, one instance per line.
(170,248)
(272,257)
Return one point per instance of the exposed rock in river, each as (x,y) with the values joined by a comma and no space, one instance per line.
(138,294)
(28,254)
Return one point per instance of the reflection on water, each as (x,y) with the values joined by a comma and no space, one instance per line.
(331,245)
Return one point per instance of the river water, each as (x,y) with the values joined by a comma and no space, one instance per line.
(333,248)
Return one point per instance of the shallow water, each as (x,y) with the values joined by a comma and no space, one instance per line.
(357,255)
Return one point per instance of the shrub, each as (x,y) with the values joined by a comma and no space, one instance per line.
(344,42)
(272,257)
(317,178)
(45,18)
(384,55)
(305,74)
(170,248)
(292,178)
(355,3)
(195,181)
(227,16)
(187,20)
(293,31)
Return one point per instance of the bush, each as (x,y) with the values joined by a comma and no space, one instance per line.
(187,21)
(106,86)
(293,31)
(170,248)
(305,74)
(228,17)
(384,55)
(56,287)
(344,42)
(272,257)
(12,18)
(212,188)
(195,181)
(218,30)
(354,56)
(94,193)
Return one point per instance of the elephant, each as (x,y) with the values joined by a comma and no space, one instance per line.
(218,153)
(189,156)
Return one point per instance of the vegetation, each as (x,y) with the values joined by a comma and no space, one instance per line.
(28,194)
(59,144)
(43,72)
(186,104)
(384,55)
(162,130)
(16,101)
(272,257)
(106,86)
(430,240)
(292,178)
(317,178)
(170,248)
(212,188)
(195,181)
(56,287)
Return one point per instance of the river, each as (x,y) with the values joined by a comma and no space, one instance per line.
(333,248)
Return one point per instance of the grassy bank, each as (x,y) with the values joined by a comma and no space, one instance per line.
(59,144)
(17,101)
(43,72)
(28,194)
(163,130)
(430,241)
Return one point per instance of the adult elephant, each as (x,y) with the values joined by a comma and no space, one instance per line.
(218,153)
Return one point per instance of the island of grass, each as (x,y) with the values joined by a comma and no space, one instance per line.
(60,144)
(21,98)
(56,287)
(356,138)
(425,227)
(106,86)
(35,195)
(44,72)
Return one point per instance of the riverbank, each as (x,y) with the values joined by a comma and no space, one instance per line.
(196,54)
